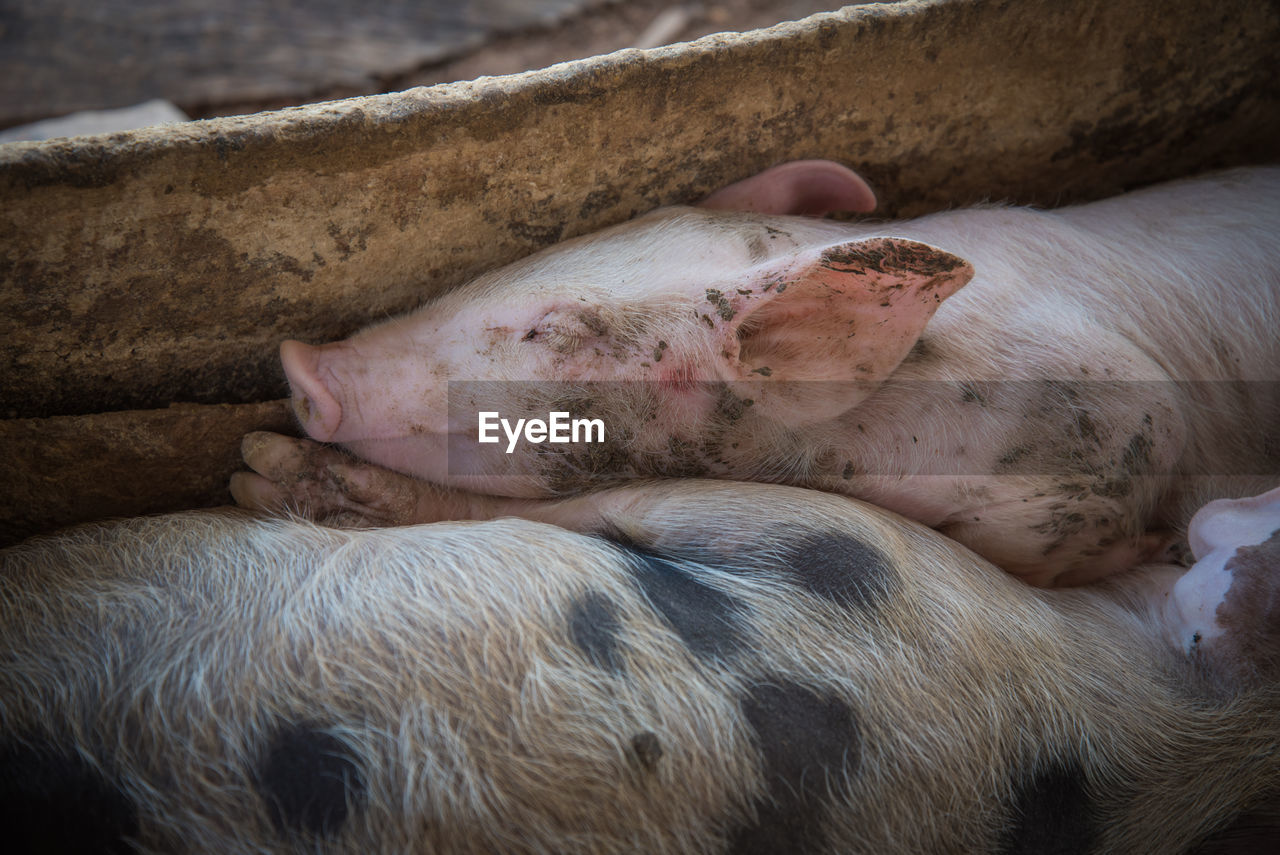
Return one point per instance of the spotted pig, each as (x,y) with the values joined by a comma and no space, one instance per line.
(673,667)
(1057,390)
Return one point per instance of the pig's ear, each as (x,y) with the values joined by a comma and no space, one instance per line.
(810,187)
(1228,523)
(816,336)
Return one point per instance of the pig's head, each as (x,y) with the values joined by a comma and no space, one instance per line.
(697,336)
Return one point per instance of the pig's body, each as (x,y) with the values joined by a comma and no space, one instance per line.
(1107,369)
(1086,360)
(701,667)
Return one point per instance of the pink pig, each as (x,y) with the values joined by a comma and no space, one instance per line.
(1057,390)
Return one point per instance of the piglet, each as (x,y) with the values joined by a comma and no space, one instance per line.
(672,667)
(1058,390)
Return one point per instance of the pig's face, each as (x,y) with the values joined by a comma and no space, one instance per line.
(691,335)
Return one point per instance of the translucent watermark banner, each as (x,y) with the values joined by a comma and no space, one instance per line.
(577,433)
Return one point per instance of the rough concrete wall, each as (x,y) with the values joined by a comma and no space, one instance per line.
(67,469)
(158,266)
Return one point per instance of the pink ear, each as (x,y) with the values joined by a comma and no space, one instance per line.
(809,187)
(844,315)
(1229,523)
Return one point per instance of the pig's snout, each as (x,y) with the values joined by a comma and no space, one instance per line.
(315,406)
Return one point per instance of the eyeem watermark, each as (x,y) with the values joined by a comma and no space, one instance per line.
(558,427)
(1098,434)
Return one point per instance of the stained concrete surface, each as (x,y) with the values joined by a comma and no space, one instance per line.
(243,56)
(59,56)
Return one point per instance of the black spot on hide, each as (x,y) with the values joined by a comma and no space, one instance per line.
(808,743)
(593,628)
(57,802)
(307,778)
(1050,815)
(841,568)
(707,620)
(647,750)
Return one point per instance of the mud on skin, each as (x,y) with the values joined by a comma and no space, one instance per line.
(576,468)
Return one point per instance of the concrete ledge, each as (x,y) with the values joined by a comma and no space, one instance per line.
(68,469)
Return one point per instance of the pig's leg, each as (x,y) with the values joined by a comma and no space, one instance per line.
(324,484)
(1051,539)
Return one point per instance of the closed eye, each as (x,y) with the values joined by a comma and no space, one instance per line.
(562,341)
(530,335)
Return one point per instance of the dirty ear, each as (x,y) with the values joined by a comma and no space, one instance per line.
(809,187)
(816,337)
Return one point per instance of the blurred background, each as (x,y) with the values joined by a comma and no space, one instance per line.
(176,59)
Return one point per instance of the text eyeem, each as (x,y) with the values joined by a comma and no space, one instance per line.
(559,427)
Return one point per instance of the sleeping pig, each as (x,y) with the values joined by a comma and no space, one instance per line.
(1057,390)
(673,667)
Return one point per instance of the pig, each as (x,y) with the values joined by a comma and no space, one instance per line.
(682,666)
(1057,390)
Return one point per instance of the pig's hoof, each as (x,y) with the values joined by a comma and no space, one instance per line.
(320,483)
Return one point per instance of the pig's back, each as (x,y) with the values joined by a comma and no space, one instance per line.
(1190,272)
(1184,275)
